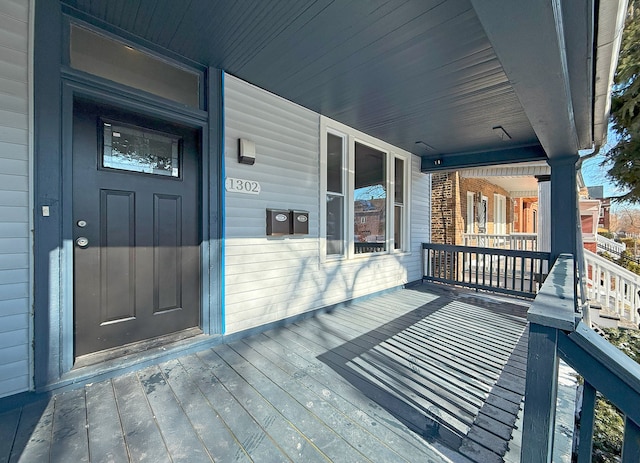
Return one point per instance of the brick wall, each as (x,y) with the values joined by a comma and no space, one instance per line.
(449,206)
(487,189)
(444,207)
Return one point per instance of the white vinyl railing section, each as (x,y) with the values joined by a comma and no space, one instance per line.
(610,246)
(613,287)
(514,241)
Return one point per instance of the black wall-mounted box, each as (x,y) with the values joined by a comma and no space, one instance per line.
(278,222)
(299,222)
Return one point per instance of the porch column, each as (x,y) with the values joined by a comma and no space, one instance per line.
(564,206)
(544,213)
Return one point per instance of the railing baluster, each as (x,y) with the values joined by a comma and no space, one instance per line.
(587,420)
(477,264)
(531,272)
(631,443)
(491,271)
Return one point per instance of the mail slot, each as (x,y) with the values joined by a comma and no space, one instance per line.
(299,222)
(278,222)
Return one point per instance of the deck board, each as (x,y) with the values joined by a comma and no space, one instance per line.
(220,442)
(106,438)
(142,435)
(326,426)
(252,439)
(343,396)
(8,427)
(69,434)
(34,435)
(375,381)
(295,444)
(181,440)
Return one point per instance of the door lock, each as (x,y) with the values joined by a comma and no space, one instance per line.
(82,242)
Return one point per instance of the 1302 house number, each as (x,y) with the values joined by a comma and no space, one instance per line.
(238,185)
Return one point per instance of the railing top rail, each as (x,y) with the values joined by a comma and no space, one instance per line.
(554,306)
(609,241)
(620,364)
(487,251)
(604,366)
(611,266)
(506,235)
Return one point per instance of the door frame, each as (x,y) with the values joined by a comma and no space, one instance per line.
(55,87)
(70,91)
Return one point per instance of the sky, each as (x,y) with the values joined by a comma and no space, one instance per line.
(594,174)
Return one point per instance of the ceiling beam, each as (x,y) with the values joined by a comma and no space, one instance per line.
(530,42)
(455,161)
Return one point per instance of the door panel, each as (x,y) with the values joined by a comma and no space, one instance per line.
(168,256)
(138,276)
(117,256)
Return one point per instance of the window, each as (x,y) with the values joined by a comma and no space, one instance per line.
(471,218)
(364,182)
(139,150)
(370,200)
(499,214)
(334,219)
(398,204)
(104,57)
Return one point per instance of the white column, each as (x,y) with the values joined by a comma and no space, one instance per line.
(544,213)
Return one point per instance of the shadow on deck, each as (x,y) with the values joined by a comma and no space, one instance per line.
(381,380)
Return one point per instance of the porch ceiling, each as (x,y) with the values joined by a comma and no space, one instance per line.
(518,179)
(440,72)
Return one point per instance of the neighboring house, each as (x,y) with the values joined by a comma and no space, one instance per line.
(525,215)
(604,220)
(185,173)
(493,201)
(589,213)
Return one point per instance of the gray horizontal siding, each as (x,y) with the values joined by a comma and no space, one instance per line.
(420,216)
(15,271)
(270,278)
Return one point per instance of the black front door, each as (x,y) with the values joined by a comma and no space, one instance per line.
(136,212)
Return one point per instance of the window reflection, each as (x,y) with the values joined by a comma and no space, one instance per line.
(138,150)
(370,200)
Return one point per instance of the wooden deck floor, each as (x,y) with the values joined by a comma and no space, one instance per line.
(383,380)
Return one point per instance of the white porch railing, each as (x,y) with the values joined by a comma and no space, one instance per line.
(613,287)
(515,241)
(610,246)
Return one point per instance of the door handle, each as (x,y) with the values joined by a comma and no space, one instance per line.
(82,242)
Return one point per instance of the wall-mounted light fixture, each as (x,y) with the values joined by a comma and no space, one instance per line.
(501,133)
(246,152)
(437,162)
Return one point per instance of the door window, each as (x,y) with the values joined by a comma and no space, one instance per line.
(135,149)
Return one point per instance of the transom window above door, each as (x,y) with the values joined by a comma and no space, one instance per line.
(102,56)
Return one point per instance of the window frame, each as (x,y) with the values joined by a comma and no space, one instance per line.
(499,213)
(324,192)
(350,137)
(470,226)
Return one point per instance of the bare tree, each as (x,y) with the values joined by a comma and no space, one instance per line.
(625,219)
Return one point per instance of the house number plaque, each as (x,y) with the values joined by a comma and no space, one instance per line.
(238,185)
